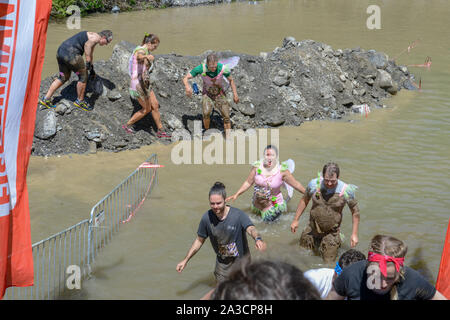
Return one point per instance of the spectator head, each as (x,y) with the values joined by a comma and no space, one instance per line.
(265,280)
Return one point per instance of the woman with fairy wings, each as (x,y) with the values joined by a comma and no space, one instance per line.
(269,176)
(141,63)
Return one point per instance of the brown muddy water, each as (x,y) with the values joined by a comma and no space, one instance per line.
(398,156)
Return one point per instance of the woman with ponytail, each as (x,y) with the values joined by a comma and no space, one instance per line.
(383,276)
(140,66)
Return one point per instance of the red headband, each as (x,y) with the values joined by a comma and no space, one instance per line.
(382,260)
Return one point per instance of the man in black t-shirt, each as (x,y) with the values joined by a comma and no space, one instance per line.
(382,276)
(70,59)
(226,227)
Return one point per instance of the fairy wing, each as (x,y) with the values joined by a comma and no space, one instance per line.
(291,167)
(230,62)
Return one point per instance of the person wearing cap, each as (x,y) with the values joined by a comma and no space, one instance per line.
(70,59)
(323,278)
(383,276)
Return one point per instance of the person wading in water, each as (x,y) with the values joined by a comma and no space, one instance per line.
(329,195)
(226,227)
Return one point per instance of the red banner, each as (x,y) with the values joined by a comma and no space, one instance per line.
(23,33)
(443,279)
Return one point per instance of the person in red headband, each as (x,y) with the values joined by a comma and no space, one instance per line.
(383,276)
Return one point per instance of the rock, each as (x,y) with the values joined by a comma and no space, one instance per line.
(173,121)
(115,9)
(92,147)
(114,95)
(275,120)
(163,94)
(295,98)
(121,55)
(91,135)
(46,125)
(119,144)
(247,109)
(288,41)
(282,78)
(263,55)
(378,59)
(407,84)
(62,107)
(393,89)
(383,80)
(404,70)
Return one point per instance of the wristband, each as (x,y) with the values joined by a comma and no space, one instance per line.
(258,238)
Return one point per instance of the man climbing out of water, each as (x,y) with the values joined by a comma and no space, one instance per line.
(215,76)
(70,59)
(329,196)
(226,227)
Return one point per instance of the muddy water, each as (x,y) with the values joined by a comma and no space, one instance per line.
(398,156)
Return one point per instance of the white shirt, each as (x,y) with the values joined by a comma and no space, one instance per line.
(322,279)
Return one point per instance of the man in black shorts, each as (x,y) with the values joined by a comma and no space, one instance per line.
(70,59)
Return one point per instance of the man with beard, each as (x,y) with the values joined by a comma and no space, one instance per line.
(226,228)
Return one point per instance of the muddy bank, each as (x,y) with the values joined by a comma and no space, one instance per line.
(296,82)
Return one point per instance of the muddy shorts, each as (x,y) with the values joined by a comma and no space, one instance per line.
(223,268)
(68,64)
(326,244)
(139,93)
(221,103)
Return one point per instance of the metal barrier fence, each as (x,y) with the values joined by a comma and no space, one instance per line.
(80,244)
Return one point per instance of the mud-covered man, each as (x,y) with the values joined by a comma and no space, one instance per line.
(216,78)
(329,196)
(70,59)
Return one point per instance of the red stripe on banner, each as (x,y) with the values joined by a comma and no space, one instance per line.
(20,259)
(443,279)
(6,23)
(6,9)
(5,48)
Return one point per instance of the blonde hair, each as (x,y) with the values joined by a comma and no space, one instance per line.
(390,246)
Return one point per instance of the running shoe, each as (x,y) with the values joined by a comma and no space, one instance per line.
(128,129)
(163,135)
(46,103)
(83,105)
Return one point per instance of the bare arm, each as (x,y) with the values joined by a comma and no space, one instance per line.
(300,209)
(93,39)
(208,295)
(187,87)
(355,225)
(290,180)
(247,184)
(233,88)
(259,243)
(198,242)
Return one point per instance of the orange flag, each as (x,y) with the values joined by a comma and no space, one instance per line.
(23,34)
(443,279)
